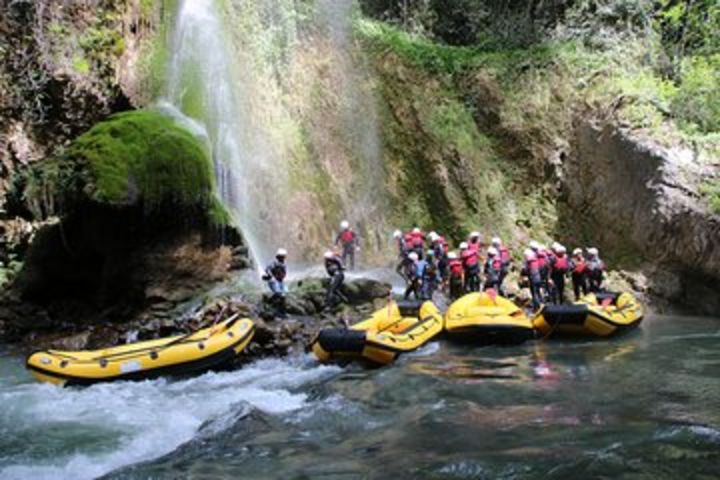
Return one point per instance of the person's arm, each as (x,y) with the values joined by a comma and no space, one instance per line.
(337,239)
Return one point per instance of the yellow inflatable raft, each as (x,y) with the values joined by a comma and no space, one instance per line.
(600,315)
(395,329)
(202,350)
(487,319)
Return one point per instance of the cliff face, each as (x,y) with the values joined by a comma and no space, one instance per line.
(642,201)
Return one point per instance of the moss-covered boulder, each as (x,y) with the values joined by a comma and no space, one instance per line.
(140,159)
(139,221)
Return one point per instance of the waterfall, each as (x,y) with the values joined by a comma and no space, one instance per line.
(290,164)
(202,84)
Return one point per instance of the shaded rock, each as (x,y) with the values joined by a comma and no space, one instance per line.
(642,203)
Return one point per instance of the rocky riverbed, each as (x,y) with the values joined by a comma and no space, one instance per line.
(34,328)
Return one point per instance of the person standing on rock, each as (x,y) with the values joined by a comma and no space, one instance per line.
(430,276)
(531,271)
(578,267)
(559,267)
(471,264)
(334,268)
(415,278)
(493,270)
(541,256)
(348,240)
(595,270)
(456,276)
(505,259)
(275,274)
(440,248)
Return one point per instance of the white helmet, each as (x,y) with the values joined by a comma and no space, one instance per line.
(344,224)
(577,251)
(416,230)
(463,246)
(397,234)
(492,251)
(593,252)
(529,254)
(281,252)
(475,235)
(534,245)
(433,236)
(555,246)
(452,256)
(329,254)
(561,249)
(413,256)
(496,241)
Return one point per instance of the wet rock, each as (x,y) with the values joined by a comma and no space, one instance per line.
(71,343)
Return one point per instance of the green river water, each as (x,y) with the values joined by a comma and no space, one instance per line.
(643,406)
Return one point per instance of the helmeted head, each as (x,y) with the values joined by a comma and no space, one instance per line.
(555,246)
(593,252)
(416,230)
(344,224)
(413,256)
(561,249)
(329,254)
(496,242)
(577,252)
(281,254)
(535,245)
(463,246)
(433,236)
(529,254)
(492,251)
(452,256)
(397,234)
(430,254)
(474,235)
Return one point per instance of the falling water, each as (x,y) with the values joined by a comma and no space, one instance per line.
(248,72)
(202,83)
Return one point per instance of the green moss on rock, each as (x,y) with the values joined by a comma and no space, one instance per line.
(138,158)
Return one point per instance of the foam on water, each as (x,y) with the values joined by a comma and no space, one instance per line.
(148,419)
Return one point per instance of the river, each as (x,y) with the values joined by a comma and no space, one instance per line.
(646,405)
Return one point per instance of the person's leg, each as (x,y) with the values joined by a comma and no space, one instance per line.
(536,294)
(576,286)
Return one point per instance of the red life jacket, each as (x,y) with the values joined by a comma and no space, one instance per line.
(347,236)
(541,258)
(476,245)
(504,254)
(408,240)
(470,257)
(417,240)
(496,262)
(561,264)
(580,265)
(533,266)
(456,268)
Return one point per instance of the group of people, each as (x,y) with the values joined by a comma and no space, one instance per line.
(427,265)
